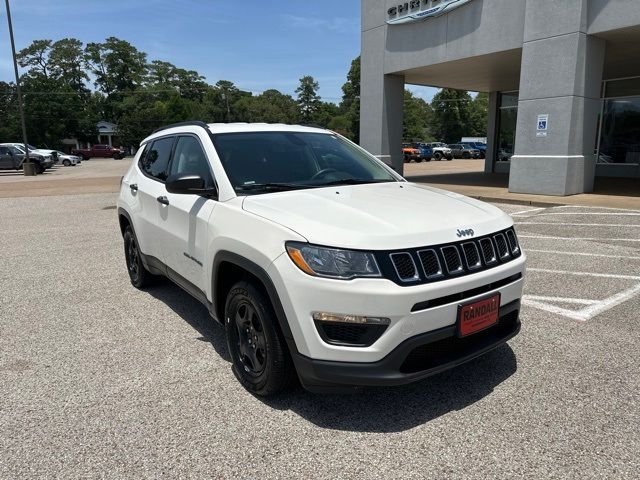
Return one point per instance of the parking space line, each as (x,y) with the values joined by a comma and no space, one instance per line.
(528,211)
(579,224)
(585,274)
(590,239)
(614,214)
(601,255)
(573,314)
(611,302)
(578,301)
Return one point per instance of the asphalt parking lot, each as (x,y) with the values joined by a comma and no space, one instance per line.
(100,380)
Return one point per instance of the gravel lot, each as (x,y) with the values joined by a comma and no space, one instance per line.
(100,380)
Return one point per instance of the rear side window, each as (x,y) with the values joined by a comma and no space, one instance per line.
(4,151)
(155,160)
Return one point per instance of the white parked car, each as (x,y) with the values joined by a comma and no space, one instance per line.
(314,256)
(68,160)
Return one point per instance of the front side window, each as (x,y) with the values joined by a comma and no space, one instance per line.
(293,160)
(155,161)
(189,158)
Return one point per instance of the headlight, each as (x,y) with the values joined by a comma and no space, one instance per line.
(332,262)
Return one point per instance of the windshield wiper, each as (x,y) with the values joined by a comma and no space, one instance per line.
(270,187)
(350,181)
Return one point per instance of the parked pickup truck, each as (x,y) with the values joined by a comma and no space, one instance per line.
(103,151)
(11,158)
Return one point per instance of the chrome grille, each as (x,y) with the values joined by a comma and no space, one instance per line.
(501,246)
(452,260)
(488,252)
(405,266)
(471,255)
(430,263)
(513,242)
(440,262)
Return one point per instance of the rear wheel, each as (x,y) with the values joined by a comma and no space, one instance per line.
(139,276)
(259,355)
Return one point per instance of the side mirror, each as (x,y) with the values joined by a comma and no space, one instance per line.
(189,184)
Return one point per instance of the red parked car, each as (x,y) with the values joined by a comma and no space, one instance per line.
(103,151)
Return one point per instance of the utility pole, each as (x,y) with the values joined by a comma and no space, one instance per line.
(27,167)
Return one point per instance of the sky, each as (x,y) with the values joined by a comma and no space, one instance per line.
(257,44)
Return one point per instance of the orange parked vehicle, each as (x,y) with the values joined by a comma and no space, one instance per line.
(409,153)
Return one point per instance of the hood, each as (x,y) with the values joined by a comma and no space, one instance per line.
(383,216)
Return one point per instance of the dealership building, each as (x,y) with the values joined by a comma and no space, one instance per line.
(563,78)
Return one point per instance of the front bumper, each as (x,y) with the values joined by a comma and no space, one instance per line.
(414,359)
(301,295)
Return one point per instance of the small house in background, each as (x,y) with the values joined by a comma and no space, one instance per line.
(107,135)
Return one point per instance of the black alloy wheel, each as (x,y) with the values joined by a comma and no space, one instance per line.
(437,156)
(259,355)
(138,275)
(250,339)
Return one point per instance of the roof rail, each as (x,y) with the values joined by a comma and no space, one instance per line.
(313,125)
(195,123)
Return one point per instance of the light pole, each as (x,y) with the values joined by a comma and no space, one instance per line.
(27,167)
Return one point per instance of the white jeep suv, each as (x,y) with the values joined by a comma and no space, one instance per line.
(314,256)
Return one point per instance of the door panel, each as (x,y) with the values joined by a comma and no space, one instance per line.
(185,236)
(186,219)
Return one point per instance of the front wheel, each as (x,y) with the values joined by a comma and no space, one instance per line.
(66,163)
(259,355)
(437,156)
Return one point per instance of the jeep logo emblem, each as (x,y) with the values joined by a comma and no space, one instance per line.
(465,233)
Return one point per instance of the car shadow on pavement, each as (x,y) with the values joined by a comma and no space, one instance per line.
(384,410)
(194,313)
(395,409)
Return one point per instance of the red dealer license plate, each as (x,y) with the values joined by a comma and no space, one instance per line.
(479,315)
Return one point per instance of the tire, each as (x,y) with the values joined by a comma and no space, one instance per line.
(259,356)
(406,159)
(449,158)
(118,157)
(66,163)
(466,156)
(39,169)
(139,276)
(437,156)
(418,160)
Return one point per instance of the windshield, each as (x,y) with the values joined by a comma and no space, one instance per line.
(258,162)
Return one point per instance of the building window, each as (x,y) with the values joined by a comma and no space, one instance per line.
(620,122)
(507,119)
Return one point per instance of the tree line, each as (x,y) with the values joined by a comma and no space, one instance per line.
(69,86)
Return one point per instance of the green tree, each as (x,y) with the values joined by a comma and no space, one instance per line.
(350,105)
(67,63)
(117,65)
(271,106)
(417,118)
(309,101)
(479,115)
(35,57)
(451,114)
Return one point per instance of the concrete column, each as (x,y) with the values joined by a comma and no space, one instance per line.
(561,77)
(492,132)
(381,103)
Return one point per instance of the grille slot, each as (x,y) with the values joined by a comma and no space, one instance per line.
(488,252)
(430,264)
(452,260)
(471,255)
(501,245)
(405,266)
(513,242)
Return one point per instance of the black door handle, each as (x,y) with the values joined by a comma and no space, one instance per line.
(163,200)
(134,187)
